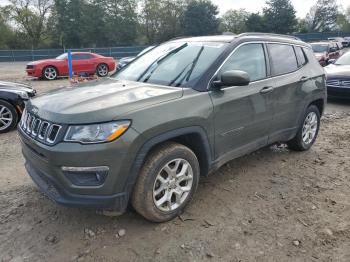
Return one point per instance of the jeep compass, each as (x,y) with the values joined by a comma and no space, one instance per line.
(148,133)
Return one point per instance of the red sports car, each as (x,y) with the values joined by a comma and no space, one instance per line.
(83,63)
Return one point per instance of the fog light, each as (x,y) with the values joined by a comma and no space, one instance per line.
(86,176)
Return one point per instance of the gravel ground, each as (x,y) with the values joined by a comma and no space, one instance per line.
(272,205)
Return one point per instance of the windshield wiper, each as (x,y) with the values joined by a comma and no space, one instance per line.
(156,63)
(189,73)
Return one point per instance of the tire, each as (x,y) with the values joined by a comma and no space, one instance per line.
(149,189)
(102,70)
(50,73)
(307,134)
(8,116)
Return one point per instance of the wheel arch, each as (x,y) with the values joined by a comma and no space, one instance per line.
(46,66)
(194,138)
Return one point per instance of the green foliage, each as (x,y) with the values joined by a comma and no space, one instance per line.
(256,23)
(323,16)
(234,21)
(103,23)
(6,33)
(280,16)
(200,18)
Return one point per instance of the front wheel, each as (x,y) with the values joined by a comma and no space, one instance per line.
(308,130)
(50,73)
(166,183)
(8,117)
(102,70)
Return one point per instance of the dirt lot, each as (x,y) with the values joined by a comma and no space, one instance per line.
(272,205)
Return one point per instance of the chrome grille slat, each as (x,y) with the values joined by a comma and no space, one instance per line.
(339,83)
(38,129)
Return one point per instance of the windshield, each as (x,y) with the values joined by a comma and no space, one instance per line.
(319,48)
(62,57)
(343,60)
(173,64)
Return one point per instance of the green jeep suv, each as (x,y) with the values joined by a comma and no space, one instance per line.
(178,112)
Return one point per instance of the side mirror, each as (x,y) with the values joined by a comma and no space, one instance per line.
(331,61)
(232,78)
(332,49)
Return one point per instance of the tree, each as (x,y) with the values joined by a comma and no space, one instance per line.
(323,16)
(255,23)
(30,17)
(6,32)
(200,18)
(280,16)
(343,21)
(234,21)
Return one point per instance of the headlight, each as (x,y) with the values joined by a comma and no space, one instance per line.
(96,133)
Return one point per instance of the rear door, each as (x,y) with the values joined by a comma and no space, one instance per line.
(243,114)
(288,82)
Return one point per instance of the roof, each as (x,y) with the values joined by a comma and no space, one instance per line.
(228,38)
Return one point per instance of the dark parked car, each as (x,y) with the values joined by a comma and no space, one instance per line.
(178,112)
(324,51)
(345,41)
(127,60)
(338,77)
(12,103)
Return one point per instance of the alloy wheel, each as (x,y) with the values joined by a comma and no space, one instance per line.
(310,128)
(102,70)
(6,117)
(50,73)
(173,185)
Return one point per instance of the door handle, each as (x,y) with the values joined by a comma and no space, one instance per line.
(304,79)
(266,89)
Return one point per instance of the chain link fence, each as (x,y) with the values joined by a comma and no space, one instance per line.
(36,54)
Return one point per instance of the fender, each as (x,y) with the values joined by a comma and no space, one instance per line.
(147,146)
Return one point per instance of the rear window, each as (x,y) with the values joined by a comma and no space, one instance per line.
(283,59)
(300,56)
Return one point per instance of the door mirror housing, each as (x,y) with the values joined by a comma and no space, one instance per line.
(332,49)
(232,78)
(331,61)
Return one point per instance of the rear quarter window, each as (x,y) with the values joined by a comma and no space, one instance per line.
(300,56)
(283,59)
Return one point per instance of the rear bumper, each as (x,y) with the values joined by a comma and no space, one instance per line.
(55,192)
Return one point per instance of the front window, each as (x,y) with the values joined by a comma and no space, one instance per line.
(179,64)
(343,60)
(319,48)
(62,57)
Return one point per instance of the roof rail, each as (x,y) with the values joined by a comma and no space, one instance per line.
(269,34)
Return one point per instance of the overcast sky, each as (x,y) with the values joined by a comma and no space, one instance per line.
(302,6)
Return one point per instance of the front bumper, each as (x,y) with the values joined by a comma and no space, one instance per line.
(45,165)
(55,192)
(338,92)
(33,72)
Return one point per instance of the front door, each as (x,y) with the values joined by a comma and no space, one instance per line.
(82,63)
(243,114)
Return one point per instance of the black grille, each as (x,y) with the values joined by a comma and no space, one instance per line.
(39,129)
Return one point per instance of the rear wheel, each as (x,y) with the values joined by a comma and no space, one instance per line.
(166,183)
(8,116)
(102,70)
(308,130)
(50,73)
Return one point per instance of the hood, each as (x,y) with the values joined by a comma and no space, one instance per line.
(44,61)
(338,71)
(100,101)
(16,87)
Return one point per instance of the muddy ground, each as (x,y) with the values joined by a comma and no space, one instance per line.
(272,205)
